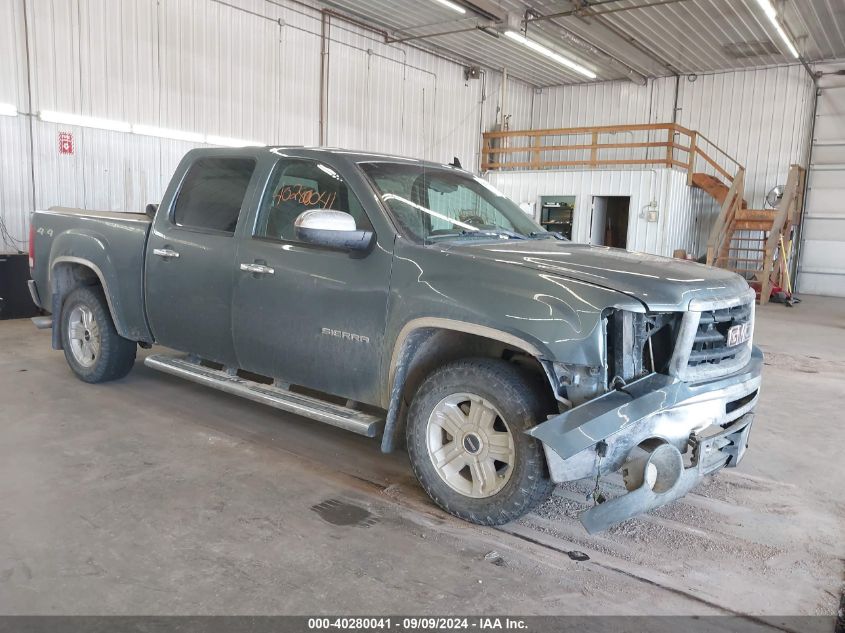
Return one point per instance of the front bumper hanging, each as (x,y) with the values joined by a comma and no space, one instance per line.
(664,477)
(708,420)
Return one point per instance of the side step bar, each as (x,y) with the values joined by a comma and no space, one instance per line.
(272,395)
(42,322)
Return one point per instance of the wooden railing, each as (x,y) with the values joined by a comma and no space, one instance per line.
(650,144)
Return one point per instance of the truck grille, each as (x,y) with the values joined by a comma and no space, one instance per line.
(710,345)
(701,348)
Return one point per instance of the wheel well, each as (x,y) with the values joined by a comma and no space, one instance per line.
(65,276)
(440,346)
(433,347)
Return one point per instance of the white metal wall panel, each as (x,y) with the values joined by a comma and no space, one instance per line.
(606,103)
(390,99)
(822,265)
(760,117)
(518,106)
(15,184)
(219,69)
(13,85)
(247,69)
(677,225)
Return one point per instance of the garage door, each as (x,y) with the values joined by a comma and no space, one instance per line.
(822,266)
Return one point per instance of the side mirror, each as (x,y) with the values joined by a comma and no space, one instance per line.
(151,210)
(334,229)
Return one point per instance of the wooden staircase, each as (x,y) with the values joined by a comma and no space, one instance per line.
(748,241)
(712,185)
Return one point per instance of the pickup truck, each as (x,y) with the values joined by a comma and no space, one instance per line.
(410,300)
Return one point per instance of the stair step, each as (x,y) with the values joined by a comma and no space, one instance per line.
(752,225)
(713,186)
(756,214)
(272,395)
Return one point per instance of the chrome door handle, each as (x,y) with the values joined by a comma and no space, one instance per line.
(258,269)
(166,253)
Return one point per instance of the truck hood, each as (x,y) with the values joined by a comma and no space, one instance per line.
(661,283)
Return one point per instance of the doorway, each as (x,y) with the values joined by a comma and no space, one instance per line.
(609,224)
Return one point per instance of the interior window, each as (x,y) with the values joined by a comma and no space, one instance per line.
(299,185)
(212,193)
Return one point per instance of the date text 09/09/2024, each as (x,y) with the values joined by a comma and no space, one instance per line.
(418,623)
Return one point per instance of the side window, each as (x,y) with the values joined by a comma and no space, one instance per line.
(298,185)
(212,194)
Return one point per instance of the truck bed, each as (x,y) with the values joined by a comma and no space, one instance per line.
(111,244)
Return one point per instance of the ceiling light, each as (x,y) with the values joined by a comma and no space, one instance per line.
(176,135)
(7,109)
(770,12)
(451,5)
(84,121)
(231,142)
(547,52)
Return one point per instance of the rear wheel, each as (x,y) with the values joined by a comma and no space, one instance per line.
(467,444)
(93,348)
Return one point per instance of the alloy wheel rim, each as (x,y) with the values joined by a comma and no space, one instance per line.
(84,335)
(470,445)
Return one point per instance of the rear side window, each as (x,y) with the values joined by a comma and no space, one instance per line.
(212,194)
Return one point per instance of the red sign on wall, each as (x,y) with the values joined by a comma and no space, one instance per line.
(65,142)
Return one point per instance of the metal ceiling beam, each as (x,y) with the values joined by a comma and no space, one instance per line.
(587,9)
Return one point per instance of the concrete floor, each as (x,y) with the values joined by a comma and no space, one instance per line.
(154,495)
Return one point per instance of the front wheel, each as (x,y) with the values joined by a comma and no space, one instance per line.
(93,348)
(467,444)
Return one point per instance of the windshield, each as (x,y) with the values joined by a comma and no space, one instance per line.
(442,204)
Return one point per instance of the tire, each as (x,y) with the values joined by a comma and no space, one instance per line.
(93,348)
(471,483)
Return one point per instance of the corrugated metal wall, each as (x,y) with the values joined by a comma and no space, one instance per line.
(759,117)
(247,69)
(678,225)
(251,69)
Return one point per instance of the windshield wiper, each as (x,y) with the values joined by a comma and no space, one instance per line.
(481,233)
(544,235)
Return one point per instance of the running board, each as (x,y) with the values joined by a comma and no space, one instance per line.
(272,395)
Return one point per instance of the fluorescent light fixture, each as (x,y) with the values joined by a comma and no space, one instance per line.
(547,52)
(451,5)
(84,121)
(7,109)
(231,142)
(770,12)
(176,135)
(144,130)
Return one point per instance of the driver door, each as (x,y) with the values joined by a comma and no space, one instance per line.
(316,316)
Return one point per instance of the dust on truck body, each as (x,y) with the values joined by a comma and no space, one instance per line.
(411,300)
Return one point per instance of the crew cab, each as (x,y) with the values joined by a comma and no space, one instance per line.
(410,300)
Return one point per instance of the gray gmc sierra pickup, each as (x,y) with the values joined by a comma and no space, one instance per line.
(402,298)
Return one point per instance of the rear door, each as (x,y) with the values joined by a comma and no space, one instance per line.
(316,316)
(190,258)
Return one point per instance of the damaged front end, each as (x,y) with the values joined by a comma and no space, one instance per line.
(677,404)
